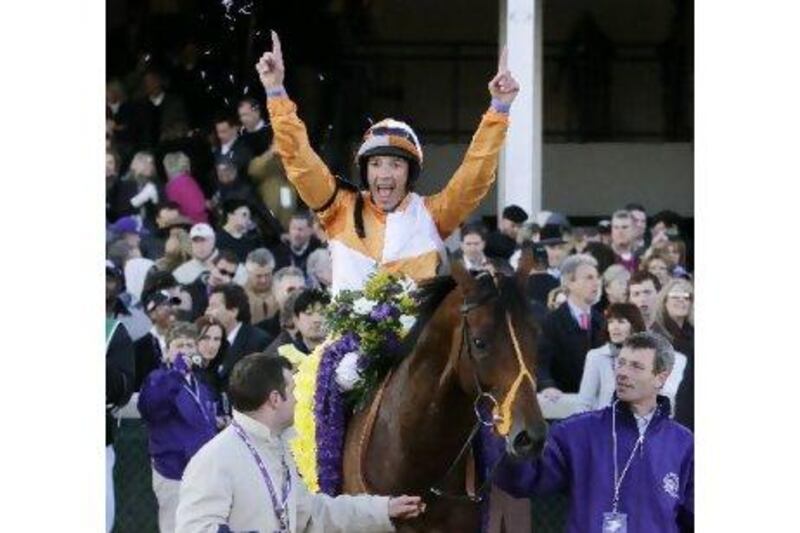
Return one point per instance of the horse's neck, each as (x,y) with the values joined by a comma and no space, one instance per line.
(431,417)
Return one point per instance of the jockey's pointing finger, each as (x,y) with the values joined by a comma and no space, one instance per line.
(276,45)
(502,65)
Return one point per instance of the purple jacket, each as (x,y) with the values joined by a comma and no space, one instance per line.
(657,492)
(176,424)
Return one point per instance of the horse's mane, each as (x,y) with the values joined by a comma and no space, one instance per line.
(432,292)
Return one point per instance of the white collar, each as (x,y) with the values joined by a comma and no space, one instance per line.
(115,107)
(643,421)
(577,311)
(225,148)
(232,334)
(162,341)
(260,126)
(156,100)
(259,431)
(471,265)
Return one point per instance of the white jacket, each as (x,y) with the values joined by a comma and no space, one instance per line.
(598,382)
(222,485)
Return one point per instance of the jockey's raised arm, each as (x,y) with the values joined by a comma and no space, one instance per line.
(387,226)
(308,173)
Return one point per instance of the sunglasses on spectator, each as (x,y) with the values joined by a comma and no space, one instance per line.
(226,272)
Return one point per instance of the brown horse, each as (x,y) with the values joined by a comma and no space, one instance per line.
(462,345)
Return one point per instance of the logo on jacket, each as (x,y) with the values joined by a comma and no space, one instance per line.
(670,484)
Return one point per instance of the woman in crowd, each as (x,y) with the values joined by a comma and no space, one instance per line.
(659,264)
(598,382)
(211,347)
(674,319)
(148,191)
(615,284)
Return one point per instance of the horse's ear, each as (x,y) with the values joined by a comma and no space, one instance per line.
(462,276)
(525,265)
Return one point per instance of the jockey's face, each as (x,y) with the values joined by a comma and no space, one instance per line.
(388,178)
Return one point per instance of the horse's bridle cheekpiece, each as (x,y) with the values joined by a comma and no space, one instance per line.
(501,412)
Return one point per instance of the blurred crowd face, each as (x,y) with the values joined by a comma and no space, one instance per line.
(387,177)
(225,132)
(248,116)
(472,246)
(617,291)
(311,324)
(239,219)
(210,341)
(111,166)
(585,288)
(283,288)
(259,278)
(658,267)
(162,316)
(299,233)
(202,247)
(643,295)
(621,232)
(508,227)
(556,254)
(226,174)
(222,273)
(166,216)
(679,304)
(152,84)
(639,219)
(186,346)
(143,165)
(216,309)
(619,329)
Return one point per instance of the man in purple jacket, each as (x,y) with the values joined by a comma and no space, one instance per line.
(180,412)
(627,467)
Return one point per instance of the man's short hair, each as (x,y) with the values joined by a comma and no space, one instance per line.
(229,118)
(172,206)
(254,378)
(252,102)
(286,272)
(571,264)
(621,214)
(647,340)
(261,257)
(315,259)
(515,214)
(176,163)
(303,214)
(235,298)
(641,276)
(181,330)
(633,206)
(474,229)
(308,298)
(666,217)
(227,255)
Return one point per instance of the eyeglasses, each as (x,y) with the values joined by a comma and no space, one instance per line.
(680,296)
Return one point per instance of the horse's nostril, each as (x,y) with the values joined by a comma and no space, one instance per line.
(522,441)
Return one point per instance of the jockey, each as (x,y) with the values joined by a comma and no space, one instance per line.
(386,225)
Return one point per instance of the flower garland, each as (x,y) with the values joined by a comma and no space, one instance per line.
(366,329)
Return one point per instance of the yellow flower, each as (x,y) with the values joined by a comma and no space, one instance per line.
(304,445)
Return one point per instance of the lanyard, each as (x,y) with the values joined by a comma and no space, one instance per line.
(280,509)
(617,477)
(193,388)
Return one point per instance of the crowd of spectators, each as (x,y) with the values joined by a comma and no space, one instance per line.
(211,256)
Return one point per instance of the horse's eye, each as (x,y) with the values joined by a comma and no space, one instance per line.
(479,344)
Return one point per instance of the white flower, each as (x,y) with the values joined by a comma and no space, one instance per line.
(407,321)
(363,306)
(408,285)
(347,375)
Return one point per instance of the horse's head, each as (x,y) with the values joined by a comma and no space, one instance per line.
(496,355)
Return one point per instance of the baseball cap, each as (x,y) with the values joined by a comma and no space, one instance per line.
(201,231)
(153,299)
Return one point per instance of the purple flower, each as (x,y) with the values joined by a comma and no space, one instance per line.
(331,416)
(384,311)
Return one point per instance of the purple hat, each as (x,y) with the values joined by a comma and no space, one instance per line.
(129,224)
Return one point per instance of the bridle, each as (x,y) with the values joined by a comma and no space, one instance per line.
(501,411)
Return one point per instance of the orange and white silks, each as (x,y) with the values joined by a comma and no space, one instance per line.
(407,241)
